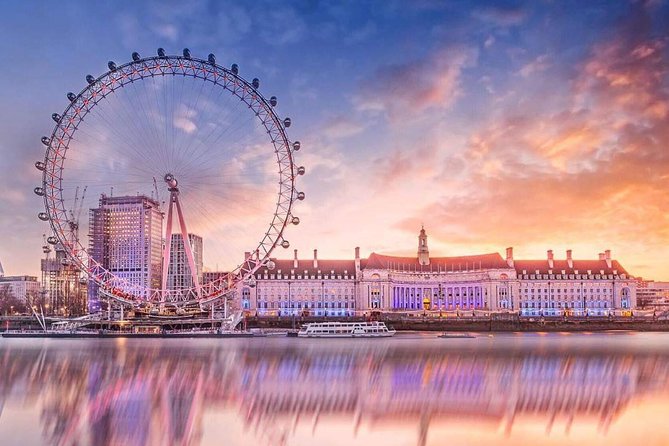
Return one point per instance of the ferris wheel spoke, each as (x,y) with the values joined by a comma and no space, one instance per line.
(168,123)
(230,131)
(133,169)
(176,134)
(189,142)
(201,143)
(123,141)
(142,116)
(161,111)
(135,139)
(238,108)
(132,121)
(226,197)
(154,147)
(188,112)
(236,150)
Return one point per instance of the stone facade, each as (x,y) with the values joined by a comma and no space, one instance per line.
(295,287)
(477,283)
(574,287)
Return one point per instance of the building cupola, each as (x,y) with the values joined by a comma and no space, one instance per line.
(423,251)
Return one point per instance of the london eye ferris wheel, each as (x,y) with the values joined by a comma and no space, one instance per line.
(164,151)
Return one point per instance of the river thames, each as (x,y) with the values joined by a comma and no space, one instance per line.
(414,389)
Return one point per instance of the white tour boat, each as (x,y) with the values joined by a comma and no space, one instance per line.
(345,330)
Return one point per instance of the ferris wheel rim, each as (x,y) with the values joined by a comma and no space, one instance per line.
(139,69)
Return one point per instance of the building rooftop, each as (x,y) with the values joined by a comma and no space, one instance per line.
(18,279)
(127,199)
(337,267)
(419,263)
(582,266)
(459,263)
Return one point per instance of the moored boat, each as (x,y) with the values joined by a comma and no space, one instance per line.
(345,330)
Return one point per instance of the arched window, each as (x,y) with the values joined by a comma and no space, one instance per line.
(625,299)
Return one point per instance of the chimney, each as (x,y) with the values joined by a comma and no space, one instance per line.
(607,257)
(570,261)
(315,258)
(357,259)
(549,254)
(601,256)
(509,257)
(295,260)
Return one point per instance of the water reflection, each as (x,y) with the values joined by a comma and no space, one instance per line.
(154,392)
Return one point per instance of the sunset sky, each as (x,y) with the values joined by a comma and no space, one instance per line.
(538,125)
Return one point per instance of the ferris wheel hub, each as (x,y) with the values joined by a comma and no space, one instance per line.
(171,181)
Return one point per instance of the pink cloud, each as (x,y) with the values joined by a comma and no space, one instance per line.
(405,90)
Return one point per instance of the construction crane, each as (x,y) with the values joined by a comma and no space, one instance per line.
(61,278)
(155,189)
(70,274)
(75,215)
(46,270)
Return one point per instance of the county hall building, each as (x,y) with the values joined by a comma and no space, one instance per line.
(458,285)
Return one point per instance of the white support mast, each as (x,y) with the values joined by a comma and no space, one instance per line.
(172,186)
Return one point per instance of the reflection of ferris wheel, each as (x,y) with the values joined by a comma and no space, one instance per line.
(169,138)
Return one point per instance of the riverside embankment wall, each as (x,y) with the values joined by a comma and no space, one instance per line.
(452,324)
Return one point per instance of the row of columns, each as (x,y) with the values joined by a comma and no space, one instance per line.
(440,298)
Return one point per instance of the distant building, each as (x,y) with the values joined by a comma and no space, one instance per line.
(652,295)
(21,287)
(210,276)
(126,239)
(178,273)
(64,287)
(422,283)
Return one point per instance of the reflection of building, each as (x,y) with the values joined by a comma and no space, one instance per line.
(137,394)
(547,287)
(424,387)
(64,287)
(179,274)
(126,239)
(653,295)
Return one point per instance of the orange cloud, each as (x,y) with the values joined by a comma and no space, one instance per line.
(593,173)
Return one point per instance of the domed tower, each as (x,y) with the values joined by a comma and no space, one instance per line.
(423,252)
